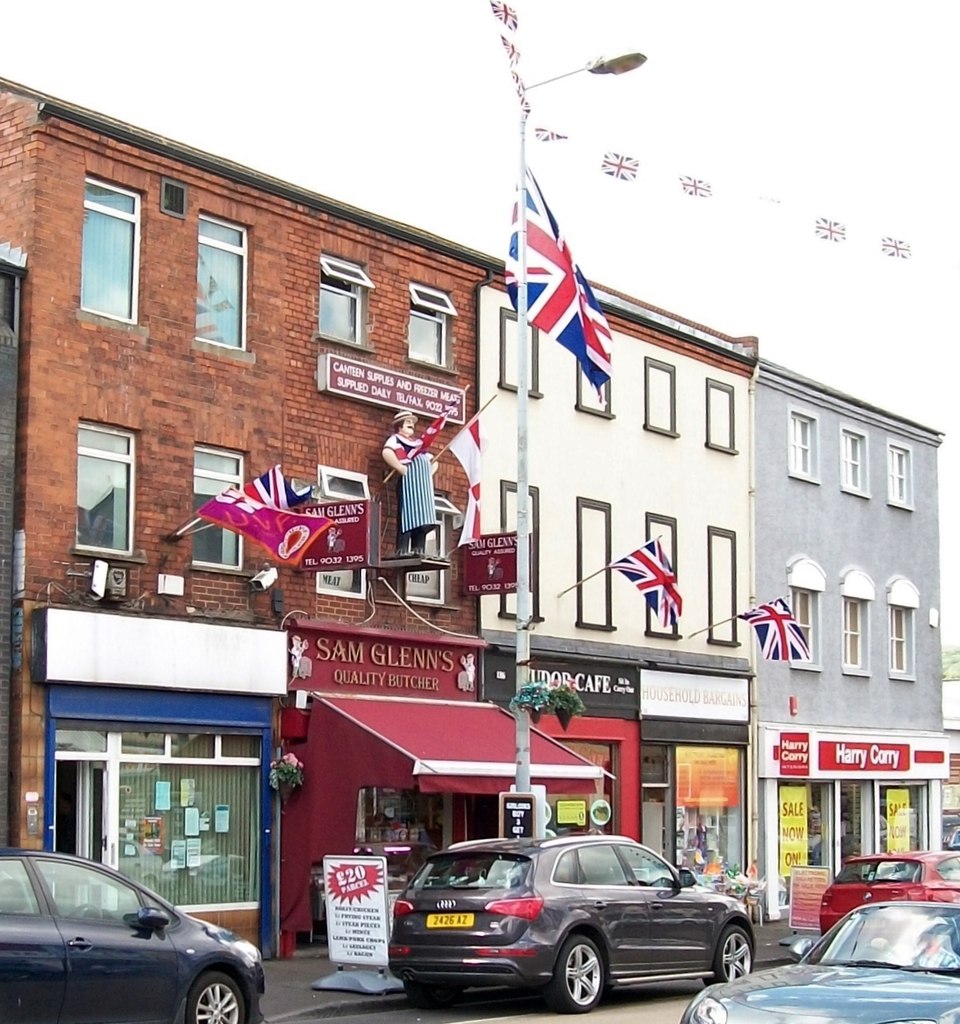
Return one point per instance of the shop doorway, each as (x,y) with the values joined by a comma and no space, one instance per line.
(78,818)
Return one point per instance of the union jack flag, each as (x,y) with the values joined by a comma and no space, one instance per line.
(505,14)
(545,135)
(648,568)
(618,166)
(513,54)
(274,491)
(521,92)
(779,634)
(560,301)
(695,186)
(831,230)
(894,247)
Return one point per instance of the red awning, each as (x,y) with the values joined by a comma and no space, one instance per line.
(450,746)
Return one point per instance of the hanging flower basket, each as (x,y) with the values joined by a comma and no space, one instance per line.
(565,703)
(532,698)
(286,773)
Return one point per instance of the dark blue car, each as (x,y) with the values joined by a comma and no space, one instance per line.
(82,944)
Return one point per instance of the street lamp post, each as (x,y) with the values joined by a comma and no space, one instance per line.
(613,66)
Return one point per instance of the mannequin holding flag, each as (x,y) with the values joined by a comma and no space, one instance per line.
(407,456)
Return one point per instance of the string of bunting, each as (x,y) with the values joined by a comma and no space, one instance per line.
(626,168)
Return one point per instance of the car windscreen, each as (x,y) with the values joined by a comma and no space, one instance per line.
(880,871)
(475,869)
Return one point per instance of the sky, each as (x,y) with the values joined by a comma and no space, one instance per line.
(844,111)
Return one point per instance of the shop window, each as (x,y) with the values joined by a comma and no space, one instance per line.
(709,790)
(901,821)
(805,829)
(186,808)
(399,816)
(569,814)
(852,821)
(105,464)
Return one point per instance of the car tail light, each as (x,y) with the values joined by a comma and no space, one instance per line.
(402,907)
(528,908)
(398,951)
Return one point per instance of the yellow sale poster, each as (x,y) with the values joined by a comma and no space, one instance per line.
(898,820)
(793,828)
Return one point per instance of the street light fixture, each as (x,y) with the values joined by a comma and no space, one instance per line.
(601,66)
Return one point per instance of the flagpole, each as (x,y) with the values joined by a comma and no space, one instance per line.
(584,580)
(522,631)
(470,422)
(613,66)
(712,625)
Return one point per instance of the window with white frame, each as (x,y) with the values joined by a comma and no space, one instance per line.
(213,472)
(111,251)
(431,586)
(856,591)
(342,485)
(344,291)
(428,331)
(659,397)
(899,475)
(105,461)
(807,581)
(802,442)
(903,600)
(221,283)
(853,461)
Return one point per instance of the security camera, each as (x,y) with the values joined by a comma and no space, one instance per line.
(264,579)
(98,578)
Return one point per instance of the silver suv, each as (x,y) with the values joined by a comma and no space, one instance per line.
(567,916)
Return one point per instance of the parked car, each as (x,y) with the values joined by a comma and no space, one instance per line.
(80,941)
(568,916)
(875,877)
(877,965)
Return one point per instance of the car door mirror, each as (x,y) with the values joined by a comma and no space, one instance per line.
(153,918)
(687,878)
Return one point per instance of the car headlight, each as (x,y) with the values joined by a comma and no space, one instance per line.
(708,1011)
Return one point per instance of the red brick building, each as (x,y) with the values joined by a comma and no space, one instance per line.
(186,325)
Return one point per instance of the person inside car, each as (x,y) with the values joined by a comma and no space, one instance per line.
(937,947)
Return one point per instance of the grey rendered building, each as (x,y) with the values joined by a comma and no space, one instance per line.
(851,754)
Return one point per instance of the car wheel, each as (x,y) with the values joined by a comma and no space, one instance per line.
(429,997)
(215,999)
(733,957)
(577,982)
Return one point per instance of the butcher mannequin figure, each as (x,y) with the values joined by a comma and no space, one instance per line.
(416,505)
